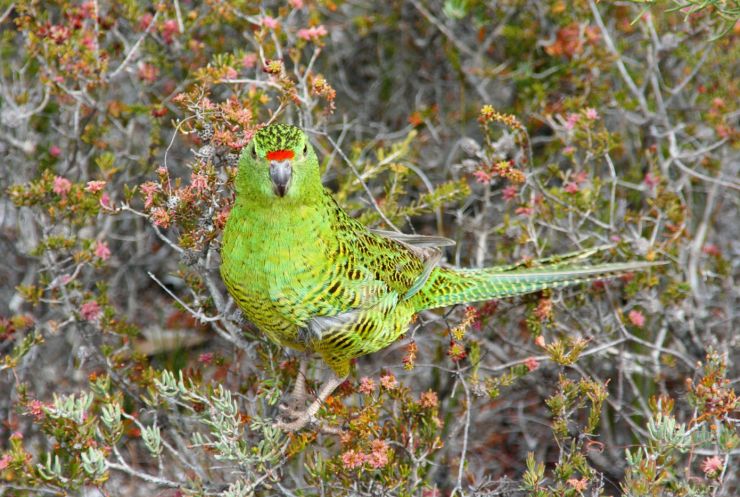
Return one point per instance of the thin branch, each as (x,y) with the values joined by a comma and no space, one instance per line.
(466,432)
(696,245)
(134,49)
(124,467)
(704,177)
(362,182)
(199,315)
(620,64)
(178,14)
(7,12)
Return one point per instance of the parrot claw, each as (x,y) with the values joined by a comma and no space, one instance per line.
(291,411)
(298,420)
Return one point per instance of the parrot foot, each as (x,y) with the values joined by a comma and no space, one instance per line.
(290,410)
(296,423)
(297,402)
(299,419)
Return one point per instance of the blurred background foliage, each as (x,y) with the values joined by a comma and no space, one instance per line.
(518,128)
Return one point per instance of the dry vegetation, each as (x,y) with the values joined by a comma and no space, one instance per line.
(519,128)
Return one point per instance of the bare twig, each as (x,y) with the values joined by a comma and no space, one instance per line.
(134,49)
(362,182)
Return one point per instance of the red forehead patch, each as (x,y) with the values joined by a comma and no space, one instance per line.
(280,155)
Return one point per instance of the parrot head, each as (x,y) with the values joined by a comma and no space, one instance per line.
(278,164)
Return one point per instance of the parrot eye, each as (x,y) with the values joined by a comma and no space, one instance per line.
(305,148)
(254,153)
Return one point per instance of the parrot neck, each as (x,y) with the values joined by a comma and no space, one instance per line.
(280,213)
(275,205)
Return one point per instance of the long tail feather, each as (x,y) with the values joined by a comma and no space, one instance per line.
(553,261)
(447,286)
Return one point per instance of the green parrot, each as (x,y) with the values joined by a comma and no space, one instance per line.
(316,280)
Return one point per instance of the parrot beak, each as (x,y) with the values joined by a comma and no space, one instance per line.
(280,173)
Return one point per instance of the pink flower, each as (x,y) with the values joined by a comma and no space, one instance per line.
(388,381)
(88,9)
(353,459)
(61,186)
(88,42)
(482,176)
(571,187)
(615,238)
(651,180)
(312,33)
(169,28)
(510,192)
(145,20)
(297,4)
(249,60)
(269,22)
(379,455)
(205,358)
(367,385)
(59,34)
(524,211)
(540,341)
(102,250)
(148,72)
(711,249)
(55,151)
(712,465)
(578,485)
(571,120)
(379,446)
(636,318)
(429,399)
(161,217)
(36,409)
(90,310)
(222,216)
(94,186)
(580,177)
(569,150)
(4,462)
(591,114)
(531,362)
(105,201)
(149,188)
(199,182)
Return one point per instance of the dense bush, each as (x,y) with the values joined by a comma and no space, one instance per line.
(518,128)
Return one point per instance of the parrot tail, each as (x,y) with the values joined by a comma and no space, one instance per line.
(448,286)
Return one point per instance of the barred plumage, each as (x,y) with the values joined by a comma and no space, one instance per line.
(316,280)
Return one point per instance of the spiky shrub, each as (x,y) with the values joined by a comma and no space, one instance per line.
(519,129)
